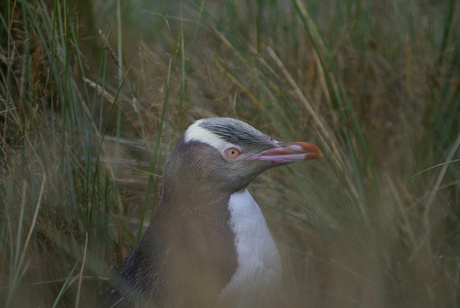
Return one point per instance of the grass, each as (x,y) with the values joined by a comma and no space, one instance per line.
(89,117)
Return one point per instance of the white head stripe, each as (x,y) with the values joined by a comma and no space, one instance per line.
(197,133)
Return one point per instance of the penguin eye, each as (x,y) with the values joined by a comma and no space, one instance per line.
(232,153)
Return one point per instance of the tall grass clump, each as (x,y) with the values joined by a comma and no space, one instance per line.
(94,94)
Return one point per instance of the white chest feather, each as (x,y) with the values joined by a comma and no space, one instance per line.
(259,266)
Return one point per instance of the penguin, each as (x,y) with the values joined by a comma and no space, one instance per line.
(208,244)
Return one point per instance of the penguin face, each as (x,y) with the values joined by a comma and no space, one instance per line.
(230,153)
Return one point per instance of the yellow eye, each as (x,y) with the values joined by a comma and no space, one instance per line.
(232,153)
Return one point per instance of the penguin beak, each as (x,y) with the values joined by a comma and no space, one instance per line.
(289,152)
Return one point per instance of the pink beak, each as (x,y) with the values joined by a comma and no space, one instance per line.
(289,152)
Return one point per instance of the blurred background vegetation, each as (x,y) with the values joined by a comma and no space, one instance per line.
(94,94)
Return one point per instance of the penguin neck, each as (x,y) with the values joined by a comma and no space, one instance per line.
(196,196)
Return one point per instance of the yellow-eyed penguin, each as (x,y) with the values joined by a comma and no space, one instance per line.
(208,244)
